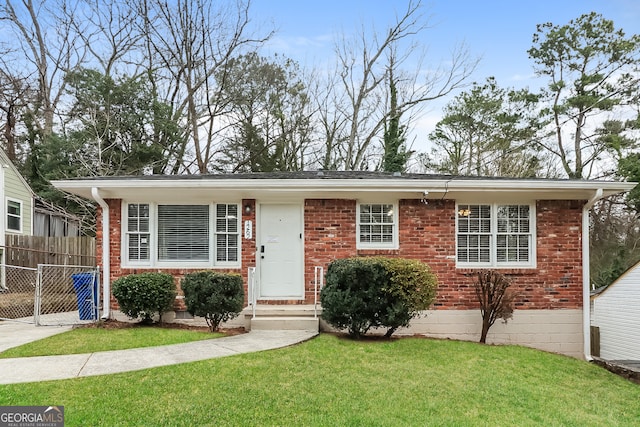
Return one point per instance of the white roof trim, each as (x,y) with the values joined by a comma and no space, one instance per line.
(310,188)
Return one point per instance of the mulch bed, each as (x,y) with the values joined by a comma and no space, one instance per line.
(117,324)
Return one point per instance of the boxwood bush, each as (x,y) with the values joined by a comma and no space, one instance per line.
(373,292)
(352,297)
(217,297)
(412,289)
(145,294)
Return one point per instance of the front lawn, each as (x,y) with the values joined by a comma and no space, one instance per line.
(90,340)
(332,381)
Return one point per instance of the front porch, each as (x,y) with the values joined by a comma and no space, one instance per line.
(304,317)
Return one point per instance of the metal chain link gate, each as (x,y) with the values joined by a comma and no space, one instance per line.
(50,294)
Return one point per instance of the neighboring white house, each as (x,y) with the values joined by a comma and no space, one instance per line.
(616,312)
(25,213)
(16,200)
(16,204)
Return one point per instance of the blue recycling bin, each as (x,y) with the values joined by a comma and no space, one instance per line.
(86,287)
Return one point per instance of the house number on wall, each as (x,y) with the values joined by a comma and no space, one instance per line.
(248,226)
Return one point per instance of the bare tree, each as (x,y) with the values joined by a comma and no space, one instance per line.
(363,66)
(15,95)
(109,31)
(614,239)
(47,49)
(187,43)
(330,121)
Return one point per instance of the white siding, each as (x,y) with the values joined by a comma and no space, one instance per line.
(616,312)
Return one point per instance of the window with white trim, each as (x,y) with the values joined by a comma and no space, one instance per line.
(377,226)
(495,235)
(137,234)
(193,235)
(14,215)
(227,234)
(183,232)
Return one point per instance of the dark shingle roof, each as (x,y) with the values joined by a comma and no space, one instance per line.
(311,175)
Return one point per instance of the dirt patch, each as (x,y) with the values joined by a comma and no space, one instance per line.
(630,374)
(117,324)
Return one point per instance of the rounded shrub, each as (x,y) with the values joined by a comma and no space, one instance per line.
(217,297)
(373,292)
(411,289)
(352,297)
(145,294)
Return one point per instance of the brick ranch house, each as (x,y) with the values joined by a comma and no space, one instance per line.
(278,229)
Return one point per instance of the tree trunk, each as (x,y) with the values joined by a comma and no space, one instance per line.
(485,329)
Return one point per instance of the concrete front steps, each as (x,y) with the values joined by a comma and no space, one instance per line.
(282,317)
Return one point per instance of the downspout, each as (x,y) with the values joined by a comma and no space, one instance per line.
(106,254)
(586,276)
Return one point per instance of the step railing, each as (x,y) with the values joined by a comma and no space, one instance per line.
(253,297)
(318,281)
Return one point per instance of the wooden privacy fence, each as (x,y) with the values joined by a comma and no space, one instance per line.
(29,251)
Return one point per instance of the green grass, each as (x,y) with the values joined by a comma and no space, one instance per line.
(330,381)
(89,340)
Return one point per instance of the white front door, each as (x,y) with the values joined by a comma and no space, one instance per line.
(281,251)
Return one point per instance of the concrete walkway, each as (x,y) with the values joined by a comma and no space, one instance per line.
(44,368)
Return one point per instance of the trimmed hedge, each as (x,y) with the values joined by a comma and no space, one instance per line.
(372,292)
(145,294)
(217,297)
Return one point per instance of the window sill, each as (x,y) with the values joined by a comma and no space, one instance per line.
(181,265)
(511,271)
(376,252)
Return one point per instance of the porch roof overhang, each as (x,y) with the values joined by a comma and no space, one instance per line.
(331,185)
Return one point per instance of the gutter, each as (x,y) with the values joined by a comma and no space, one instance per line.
(586,276)
(106,253)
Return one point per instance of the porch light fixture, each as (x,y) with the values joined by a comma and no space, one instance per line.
(247,209)
(424,200)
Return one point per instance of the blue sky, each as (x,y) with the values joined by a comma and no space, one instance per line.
(498,31)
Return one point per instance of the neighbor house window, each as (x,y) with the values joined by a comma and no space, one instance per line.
(193,235)
(495,235)
(377,226)
(14,215)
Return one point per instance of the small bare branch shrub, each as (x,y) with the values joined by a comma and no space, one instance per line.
(496,301)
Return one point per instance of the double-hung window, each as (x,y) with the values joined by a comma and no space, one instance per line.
(377,225)
(197,235)
(138,232)
(495,235)
(227,234)
(14,215)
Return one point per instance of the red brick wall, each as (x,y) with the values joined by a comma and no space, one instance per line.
(329,233)
(427,233)
(115,212)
